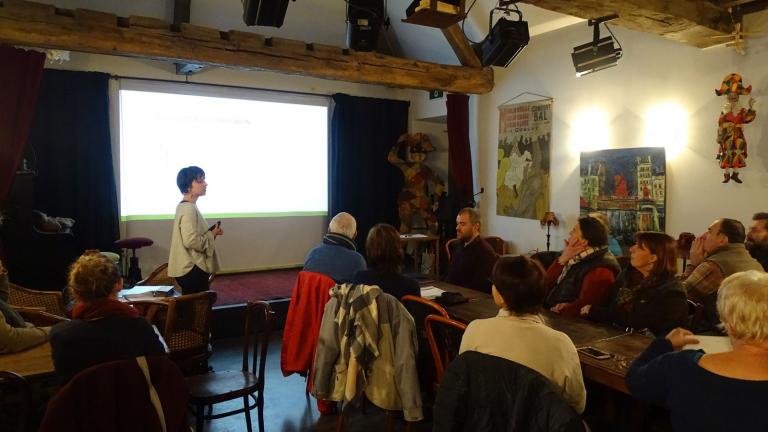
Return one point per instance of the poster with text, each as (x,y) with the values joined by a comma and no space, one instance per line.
(522,179)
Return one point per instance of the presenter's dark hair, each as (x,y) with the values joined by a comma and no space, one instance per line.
(520,282)
(383,248)
(186,176)
(593,231)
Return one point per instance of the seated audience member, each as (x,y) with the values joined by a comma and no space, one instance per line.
(472,258)
(757,239)
(16,334)
(713,392)
(337,256)
(385,256)
(658,302)
(584,273)
(613,245)
(102,328)
(518,333)
(715,255)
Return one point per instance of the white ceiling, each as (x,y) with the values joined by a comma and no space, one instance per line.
(323,21)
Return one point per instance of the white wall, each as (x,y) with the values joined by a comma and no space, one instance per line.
(248,243)
(655,75)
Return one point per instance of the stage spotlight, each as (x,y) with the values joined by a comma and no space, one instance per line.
(505,40)
(600,53)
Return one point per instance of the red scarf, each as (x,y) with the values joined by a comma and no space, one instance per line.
(103,308)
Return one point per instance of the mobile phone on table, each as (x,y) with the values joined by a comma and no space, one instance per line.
(594,353)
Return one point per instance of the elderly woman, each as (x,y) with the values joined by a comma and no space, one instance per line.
(584,272)
(519,334)
(725,391)
(385,256)
(192,258)
(658,302)
(102,328)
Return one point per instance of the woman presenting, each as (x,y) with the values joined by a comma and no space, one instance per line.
(192,257)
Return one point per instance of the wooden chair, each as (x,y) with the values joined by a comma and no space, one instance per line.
(20,394)
(159,276)
(695,315)
(545,258)
(444,337)
(51,302)
(448,247)
(498,244)
(420,308)
(39,317)
(185,321)
(248,383)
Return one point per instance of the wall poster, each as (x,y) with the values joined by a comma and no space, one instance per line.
(522,179)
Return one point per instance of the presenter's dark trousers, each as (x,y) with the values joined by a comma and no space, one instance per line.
(193,282)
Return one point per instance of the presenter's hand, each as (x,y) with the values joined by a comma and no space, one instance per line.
(217,231)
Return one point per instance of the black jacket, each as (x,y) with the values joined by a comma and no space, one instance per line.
(485,393)
(568,289)
(657,304)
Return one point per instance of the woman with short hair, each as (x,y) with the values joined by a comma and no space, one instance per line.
(192,258)
(385,257)
(518,332)
(584,272)
(725,391)
(658,302)
(102,328)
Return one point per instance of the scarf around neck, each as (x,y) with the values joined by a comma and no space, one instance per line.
(590,250)
(339,240)
(103,308)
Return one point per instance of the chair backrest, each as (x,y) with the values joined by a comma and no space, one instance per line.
(498,244)
(545,258)
(444,337)
(15,385)
(159,276)
(695,315)
(258,324)
(187,324)
(115,396)
(51,301)
(449,246)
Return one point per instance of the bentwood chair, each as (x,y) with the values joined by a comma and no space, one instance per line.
(215,387)
(16,393)
(449,247)
(444,337)
(159,276)
(498,244)
(51,302)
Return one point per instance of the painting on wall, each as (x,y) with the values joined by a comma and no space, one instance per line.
(629,186)
(522,179)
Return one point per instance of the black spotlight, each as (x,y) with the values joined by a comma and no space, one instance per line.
(364,20)
(600,53)
(270,13)
(505,40)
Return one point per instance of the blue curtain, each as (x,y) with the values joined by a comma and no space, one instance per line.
(362,181)
(71,139)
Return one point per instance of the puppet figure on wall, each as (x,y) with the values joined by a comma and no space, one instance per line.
(731,144)
(423,188)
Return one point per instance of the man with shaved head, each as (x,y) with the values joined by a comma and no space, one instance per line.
(337,256)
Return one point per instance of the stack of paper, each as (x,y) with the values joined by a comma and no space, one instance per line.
(431,292)
(711,344)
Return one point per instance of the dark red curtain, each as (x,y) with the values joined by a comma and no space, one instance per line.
(459,156)
(20,76)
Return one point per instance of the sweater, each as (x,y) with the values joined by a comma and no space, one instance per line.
(335,258)
(472,264)
(528,341)
(192,242)
(699,400)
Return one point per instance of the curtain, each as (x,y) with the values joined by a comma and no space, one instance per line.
(71,138)
(19,83)
(362,181)
(459,155)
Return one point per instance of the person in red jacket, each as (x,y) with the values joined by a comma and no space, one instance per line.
(584,272)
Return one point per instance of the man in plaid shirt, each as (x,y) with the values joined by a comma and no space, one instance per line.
(715,255)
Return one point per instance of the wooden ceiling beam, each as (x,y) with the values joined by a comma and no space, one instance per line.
(460,45)
(44,26)
(693,22)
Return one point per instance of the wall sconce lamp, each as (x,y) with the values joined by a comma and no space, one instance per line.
(549,219)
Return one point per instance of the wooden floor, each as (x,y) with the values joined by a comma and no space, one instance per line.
(286,409)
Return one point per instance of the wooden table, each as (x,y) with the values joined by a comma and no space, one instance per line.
(35,362)
(623,347)
(425,238)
